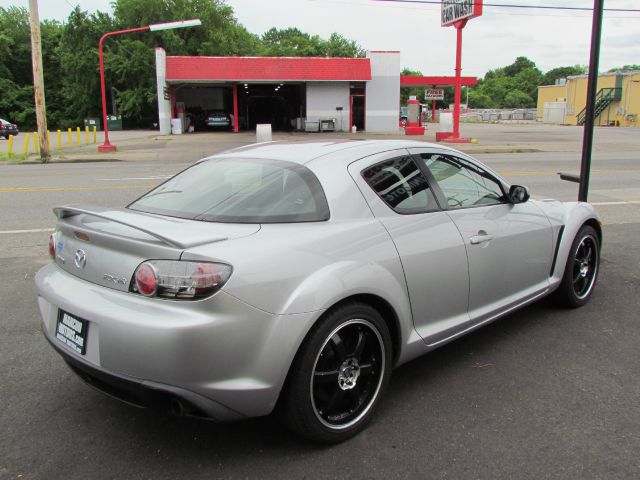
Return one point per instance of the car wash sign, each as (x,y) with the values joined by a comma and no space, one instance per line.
(456,10)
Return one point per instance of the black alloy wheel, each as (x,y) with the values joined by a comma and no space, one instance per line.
(585,266)
(338,375)
(347,373)
(582,268)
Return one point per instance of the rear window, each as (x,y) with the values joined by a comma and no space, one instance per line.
(240,191)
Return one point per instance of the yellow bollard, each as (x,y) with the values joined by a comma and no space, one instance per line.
(25,149)
(10,146)
(86,134)
(69,138)
(36,144)
(95,134)
(59,142)
(78,135)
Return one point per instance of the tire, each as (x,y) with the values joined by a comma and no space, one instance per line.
(339,375)
(582,268)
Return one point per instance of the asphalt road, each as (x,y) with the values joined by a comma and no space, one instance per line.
(543,393)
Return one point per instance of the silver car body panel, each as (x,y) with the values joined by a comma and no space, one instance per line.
(235,347)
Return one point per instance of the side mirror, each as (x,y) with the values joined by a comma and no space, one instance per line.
(518,194)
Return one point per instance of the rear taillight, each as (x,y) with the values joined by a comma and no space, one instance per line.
(179,280)
(146,280)
(52,245)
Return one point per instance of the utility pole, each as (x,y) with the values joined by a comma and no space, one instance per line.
(38,79)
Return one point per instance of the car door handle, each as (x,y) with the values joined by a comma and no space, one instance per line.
(480,238)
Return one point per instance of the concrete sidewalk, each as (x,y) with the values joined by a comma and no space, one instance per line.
(492,138)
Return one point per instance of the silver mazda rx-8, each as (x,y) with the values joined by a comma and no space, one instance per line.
(295,276)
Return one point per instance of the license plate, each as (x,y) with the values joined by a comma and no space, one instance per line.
(72,332)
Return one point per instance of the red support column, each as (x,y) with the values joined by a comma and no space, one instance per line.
(458,91)
(172,101)
(433,109)
(235,108)
(454,137)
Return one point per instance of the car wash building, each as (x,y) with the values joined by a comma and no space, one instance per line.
(290,93)
(303,93)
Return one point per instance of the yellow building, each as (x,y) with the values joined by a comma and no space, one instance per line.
(617,100)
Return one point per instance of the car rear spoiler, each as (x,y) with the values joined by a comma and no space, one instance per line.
(157,228)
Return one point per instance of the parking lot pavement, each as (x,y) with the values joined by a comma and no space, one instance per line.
(543,393)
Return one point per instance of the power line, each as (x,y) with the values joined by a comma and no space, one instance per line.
(511,5)
(432,8)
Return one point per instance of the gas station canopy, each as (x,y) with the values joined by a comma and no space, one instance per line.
(412,81)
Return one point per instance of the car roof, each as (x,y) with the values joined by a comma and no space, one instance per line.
(303,152)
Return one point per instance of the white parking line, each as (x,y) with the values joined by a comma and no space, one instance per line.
(33,230)
(630,202)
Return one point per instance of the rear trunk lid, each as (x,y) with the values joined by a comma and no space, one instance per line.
(105,246)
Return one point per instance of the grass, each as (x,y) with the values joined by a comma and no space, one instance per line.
(12,157)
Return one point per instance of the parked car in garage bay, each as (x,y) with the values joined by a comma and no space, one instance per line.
(218,119)
(295,276)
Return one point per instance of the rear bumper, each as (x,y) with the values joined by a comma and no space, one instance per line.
(144,393)
(220,355)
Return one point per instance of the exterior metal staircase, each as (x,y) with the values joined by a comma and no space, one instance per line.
(604,98)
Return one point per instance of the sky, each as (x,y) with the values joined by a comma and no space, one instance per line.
(550,38)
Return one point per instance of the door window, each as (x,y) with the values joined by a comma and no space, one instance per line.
(463,184)
(401,185)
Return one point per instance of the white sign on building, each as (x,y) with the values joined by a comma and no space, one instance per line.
(434,94)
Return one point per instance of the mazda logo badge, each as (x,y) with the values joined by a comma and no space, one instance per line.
(80,258)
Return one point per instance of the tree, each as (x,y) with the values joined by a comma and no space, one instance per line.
(292,42)
(339,46)
(513,86)
(517,99)
(479,100)
(521,63)
(405,93)
(552,75)
(16,77)
(528,80)
(77,52)
(625,68)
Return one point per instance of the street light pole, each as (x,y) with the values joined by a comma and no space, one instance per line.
(108,146)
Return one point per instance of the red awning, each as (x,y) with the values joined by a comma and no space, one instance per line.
(411,81)
(239,69)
